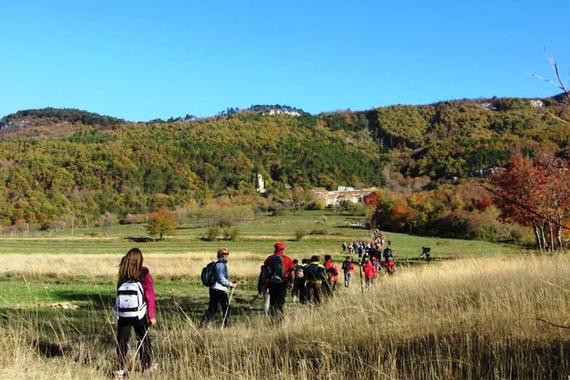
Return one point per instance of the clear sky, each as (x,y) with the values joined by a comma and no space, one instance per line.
(145,59)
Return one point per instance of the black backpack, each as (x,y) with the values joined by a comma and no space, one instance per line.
(208,275)
(275,270)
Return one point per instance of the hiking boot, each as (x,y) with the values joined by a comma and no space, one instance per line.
(119,375)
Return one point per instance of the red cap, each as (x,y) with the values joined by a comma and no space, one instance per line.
(279,246)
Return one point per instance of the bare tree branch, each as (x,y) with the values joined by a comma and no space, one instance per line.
(552,324)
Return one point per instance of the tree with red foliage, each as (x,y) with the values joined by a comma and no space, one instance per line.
(372,199)
(536,192)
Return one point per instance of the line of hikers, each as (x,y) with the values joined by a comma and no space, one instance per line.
(309,282)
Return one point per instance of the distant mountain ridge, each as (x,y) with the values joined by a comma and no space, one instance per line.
(52,122)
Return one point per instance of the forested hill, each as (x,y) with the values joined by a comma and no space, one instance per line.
(460,138)
(52,122)
(135,168)
(86,164)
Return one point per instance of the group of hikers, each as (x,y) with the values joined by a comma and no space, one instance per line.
(309,281)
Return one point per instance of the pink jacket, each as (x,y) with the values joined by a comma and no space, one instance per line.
(148,287)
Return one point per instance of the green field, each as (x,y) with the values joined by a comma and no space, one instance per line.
(53,287)
(256,237)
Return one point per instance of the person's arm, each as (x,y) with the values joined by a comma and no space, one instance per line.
(148,287)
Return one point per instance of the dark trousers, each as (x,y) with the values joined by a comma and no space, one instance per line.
(218,300)
(299,290)
(314,293)
(277,294)
(141,326)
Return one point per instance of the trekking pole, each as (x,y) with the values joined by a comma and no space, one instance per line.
(228,308)
(255,297)
(361,284)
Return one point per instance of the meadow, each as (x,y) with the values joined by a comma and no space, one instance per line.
(472,313)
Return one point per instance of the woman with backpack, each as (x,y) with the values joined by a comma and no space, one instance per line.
(134,309)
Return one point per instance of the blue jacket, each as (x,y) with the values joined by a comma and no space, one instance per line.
(221,275)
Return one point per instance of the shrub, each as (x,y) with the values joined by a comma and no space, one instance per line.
(161,222)
(299,234)
(211,233)
(232,233)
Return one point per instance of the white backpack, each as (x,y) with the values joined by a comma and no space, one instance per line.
(130,302)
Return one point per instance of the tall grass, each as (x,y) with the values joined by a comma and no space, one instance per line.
(467,319)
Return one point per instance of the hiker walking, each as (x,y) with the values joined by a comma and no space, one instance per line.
(332,273)
(134,309)
(316,278)
(299,282)
(369,273)
(278,277)
(219,290)
(347,268)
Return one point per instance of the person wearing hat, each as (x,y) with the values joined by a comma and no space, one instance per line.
(279,276)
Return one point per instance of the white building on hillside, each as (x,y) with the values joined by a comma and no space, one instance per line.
(342,194)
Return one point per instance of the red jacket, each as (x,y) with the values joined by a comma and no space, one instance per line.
(288,266)
(331,269)
(369,271)
(148,288)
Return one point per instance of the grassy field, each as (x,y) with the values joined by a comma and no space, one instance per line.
(57,289)
(38,268)
(257,237)
(467,318)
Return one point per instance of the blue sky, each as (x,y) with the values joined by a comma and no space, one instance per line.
(146,59)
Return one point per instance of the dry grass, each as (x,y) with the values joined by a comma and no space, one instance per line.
(162,265)
(466,319)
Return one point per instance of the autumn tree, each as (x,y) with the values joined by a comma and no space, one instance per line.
(536,192)
(161,222)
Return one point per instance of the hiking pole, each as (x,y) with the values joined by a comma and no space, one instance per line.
(255,297)
(228,308)
(361,285)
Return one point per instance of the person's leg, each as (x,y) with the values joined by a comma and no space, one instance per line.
(303,294)
(123,335)
(212,308)
(295,291)
(277,294)
(317,293)
(282,290)
(273,301)
(145,351)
